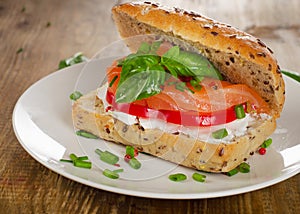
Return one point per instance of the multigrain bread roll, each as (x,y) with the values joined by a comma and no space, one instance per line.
(239,57)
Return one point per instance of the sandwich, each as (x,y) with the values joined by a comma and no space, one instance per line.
(194,91)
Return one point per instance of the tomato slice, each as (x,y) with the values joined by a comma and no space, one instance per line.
(186,118)
(212,105)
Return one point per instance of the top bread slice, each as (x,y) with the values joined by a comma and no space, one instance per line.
(240,57)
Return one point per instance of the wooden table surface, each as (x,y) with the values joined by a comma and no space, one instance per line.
(35,35)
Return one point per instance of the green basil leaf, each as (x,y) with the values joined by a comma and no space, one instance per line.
(188,64)
(141,85)
(137,63)
(170,60)
(154,47)
(146,48)
(144,72)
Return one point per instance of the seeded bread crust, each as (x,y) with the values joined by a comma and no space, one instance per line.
(90,115)
(240,57)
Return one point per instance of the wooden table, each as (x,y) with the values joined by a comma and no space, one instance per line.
(35,35)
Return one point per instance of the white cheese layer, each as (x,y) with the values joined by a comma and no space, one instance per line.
(235,128)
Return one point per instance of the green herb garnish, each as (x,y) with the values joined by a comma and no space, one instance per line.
(82,158)
(77,58)
(113,174)
(146,48)
(110,174)
(220,134)
(73,157)
(107,157)
(232,172)
(196,84)
(86,134)
(134,163)
(140,85)
(239,111)
(65,160)
(177,177)
(292,75)
(266,143)
(144,72)
(78,161)
(48,24)
(83,164)
(130,151)
(118,170)
(184,63)
(199,177)
(113,81)
(75,95)
(244,168)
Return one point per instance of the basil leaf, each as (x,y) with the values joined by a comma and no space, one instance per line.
(292,75)
(185,63)
(170,60)
(144,72)
(137,63)
(141,85)
(146,48)
(155,46)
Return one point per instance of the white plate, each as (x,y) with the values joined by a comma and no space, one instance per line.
(42,122)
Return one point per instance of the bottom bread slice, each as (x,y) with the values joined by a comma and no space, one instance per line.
(89,115)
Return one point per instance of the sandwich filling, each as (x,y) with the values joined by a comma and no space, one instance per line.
(236,128)
(179,91)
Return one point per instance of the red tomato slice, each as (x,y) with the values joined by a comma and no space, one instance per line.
(187,118)
(215,99)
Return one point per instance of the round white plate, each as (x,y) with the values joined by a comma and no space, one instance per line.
(42,123)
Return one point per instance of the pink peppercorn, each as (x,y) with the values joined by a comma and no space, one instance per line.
(136,152)
(108,108)
(262,151)
(127,157)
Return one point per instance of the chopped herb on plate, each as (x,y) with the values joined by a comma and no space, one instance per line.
(78,161)
(75,95)
(177,177)
(77,58)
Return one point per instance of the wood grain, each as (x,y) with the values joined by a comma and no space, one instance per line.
(51,30)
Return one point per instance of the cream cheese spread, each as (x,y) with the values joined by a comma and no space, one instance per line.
(236,128)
